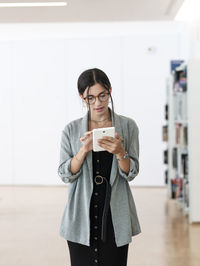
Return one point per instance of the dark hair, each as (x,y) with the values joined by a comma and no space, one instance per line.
(91,77)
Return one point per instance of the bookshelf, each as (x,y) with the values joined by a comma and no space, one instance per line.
(182,135)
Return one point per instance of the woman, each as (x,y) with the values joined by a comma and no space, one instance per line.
(100,216)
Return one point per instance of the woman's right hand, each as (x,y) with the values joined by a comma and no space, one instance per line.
(87,141)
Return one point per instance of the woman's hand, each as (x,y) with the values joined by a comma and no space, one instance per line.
(112,145)
(87,140)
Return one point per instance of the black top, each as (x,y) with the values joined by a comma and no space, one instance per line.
(102,164)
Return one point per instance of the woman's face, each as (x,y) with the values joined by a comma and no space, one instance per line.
(98,107)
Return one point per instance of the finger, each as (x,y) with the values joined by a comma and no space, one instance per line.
(108,148)
(88,133)
(117,135)
(105,143)
(108,138)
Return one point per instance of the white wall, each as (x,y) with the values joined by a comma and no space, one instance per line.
(194,29)
(39,95)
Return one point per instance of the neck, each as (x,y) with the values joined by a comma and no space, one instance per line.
(101,117)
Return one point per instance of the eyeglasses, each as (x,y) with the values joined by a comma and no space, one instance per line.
(103,97)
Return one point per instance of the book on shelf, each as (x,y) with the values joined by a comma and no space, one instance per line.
(165,133)
(174,158)
(184,165)
(177,187)
(166,177)
(181,134)
(186,194)
(180,107)
(180,80)
(166,111)
(165,156)
(174,64)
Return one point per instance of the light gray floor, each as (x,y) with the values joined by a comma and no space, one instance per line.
(30,219)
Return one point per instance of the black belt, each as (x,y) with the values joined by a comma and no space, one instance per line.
(106,204)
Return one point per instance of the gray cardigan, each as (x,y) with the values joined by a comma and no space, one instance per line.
(75,223)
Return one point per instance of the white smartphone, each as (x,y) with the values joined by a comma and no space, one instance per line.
(98,133)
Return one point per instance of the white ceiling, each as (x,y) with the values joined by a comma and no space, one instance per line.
(93,11)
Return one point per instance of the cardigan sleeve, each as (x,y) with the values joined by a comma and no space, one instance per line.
(133,151)
(65,159)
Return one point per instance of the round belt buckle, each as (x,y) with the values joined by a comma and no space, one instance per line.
(100,182)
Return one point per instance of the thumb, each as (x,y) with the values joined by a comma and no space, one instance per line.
(87,133)
(117,135)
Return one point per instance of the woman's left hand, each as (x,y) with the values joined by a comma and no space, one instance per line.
(112,145)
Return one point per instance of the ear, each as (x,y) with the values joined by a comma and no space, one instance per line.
(110,90)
